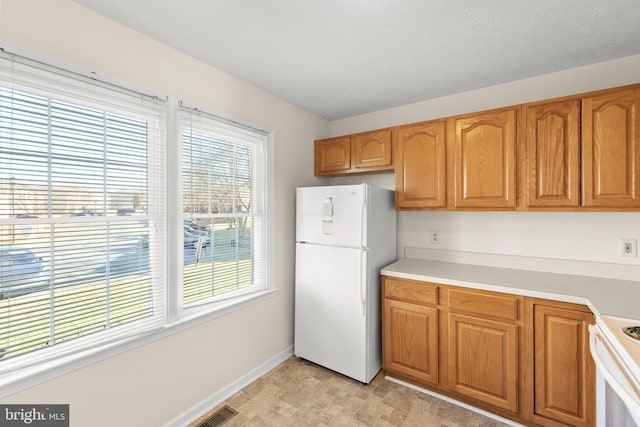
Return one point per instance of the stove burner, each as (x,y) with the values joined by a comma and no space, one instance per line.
(632,331)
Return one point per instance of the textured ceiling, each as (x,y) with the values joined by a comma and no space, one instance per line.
(339,58)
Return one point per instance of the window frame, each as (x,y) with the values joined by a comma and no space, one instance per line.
(60,84)
(225,300)
(24,375)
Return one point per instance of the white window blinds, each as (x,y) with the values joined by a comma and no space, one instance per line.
(81,211)
(224,205)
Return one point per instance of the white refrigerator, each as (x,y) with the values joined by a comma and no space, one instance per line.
(344,235)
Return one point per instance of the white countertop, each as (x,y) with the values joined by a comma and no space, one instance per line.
(620,298)
(616,303)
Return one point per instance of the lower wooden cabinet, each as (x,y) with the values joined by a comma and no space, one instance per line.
(410,329)
(483,360)
(523,358)
(563,371)
(412,345)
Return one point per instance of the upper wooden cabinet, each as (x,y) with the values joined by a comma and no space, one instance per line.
(485,160)
(552,142)
(605,125)
(611,149)
(372,151)
(359,153)
(333,156)
(420,159)
(575,153)
(461,162)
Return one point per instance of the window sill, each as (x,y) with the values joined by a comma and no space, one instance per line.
(22,379)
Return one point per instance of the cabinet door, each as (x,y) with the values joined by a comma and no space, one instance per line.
(563,369)
(411,340)
(372,150)
(483,360)
(421,166)
(553,154)
(333,156)
(611,149)
(484,162)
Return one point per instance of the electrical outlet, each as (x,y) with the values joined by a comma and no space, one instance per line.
(628,247)
(435,237)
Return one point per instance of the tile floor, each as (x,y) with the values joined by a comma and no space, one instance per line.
(300,393)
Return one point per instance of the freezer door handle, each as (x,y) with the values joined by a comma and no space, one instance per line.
(363,281)
(327,215)
(363,218)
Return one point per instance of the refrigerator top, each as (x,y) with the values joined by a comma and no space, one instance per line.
(332,215)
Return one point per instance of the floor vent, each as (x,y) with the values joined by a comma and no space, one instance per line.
(219,417)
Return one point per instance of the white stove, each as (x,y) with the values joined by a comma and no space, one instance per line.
(617,358)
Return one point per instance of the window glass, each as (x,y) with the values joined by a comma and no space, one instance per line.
(224,208)
(79,235)
(83,228)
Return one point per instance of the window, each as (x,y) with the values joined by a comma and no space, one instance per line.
(224,208)
(86,190)
(82,211)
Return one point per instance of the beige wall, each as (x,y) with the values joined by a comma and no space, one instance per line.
(152,384)
(576,80)
(590,237)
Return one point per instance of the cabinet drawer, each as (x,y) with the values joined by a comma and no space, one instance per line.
(411,291)
(486,304)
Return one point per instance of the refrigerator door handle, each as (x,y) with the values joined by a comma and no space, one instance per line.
(363,218)
(363,281)
(327,215)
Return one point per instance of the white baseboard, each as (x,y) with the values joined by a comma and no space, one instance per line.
(205,405)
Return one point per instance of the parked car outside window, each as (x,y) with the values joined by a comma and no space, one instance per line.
(195,228)
(191,239)
(21,272)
